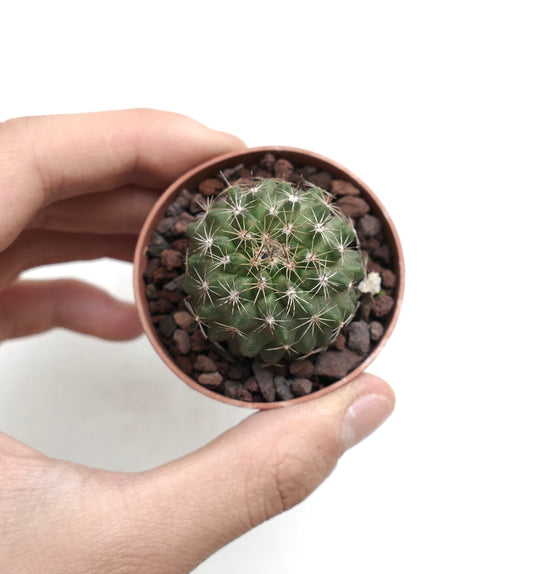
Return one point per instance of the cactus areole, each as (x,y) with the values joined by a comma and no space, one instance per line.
(272,269)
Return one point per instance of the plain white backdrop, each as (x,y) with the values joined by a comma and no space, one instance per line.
(430,103)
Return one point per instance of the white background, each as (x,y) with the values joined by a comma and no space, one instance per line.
(430,103)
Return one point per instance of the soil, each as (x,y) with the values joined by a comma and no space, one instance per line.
(247,379)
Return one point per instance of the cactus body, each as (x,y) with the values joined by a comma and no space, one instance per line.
(271,271)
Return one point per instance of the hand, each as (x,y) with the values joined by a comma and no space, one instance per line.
(79,187)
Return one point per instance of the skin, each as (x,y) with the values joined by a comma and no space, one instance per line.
(65,182)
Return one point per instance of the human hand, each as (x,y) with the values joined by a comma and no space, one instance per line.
(79,187)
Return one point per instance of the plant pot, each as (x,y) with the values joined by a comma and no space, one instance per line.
(161,303)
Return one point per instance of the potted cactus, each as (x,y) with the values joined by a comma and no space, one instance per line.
(270,271)
(254,284)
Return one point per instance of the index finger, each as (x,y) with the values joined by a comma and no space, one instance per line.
(48,158)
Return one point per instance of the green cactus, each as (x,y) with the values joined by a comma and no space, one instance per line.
(271,271)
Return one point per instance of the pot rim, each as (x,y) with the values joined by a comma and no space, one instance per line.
(242,156)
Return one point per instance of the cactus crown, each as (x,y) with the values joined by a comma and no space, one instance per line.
(270,269)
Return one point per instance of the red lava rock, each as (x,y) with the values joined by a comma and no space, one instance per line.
(181,245)
(157,245)
(211,380)
(152,292)
(373,266)
(341,187)
(369,225)
(184,363)
(222,367)
(302,369)
(251,385)
(211,186)
(282,369)
(197,203)
(339,343)
(160,307)
(283,389)
(268,161)
(172,296)
(182,341)
(321,179)
(180,203)
(238,372)
(229,172)
(165,225)
(376,330)
(301,387)
(353,206)
(171,259)
(265,380)
(371,244)
(198,342)
(306,171)
(247,396)
(336,364)
(182,223)
(233,389)
(388,279)
(383,254)
(204,364)
(162,275)
(184,320)
(151,267)
(246,173)
(382,306)
(359,337)
(174,285)
(283,169)
(167,326)
(263,173)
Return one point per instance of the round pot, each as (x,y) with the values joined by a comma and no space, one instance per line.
(214,168)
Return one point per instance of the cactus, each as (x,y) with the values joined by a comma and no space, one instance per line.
(271,269)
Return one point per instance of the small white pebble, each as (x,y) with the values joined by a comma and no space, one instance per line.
(371,284)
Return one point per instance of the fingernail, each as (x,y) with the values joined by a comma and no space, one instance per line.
(363,417)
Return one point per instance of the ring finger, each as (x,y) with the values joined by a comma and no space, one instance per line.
(41,247)
(30,307)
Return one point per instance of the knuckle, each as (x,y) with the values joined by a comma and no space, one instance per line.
(287,476)
(23,143)
(293,479)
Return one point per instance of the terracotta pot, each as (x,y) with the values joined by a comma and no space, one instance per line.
(212,168)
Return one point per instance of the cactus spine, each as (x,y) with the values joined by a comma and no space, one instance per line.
(271,269)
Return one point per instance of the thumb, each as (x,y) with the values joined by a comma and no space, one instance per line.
(256,470)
